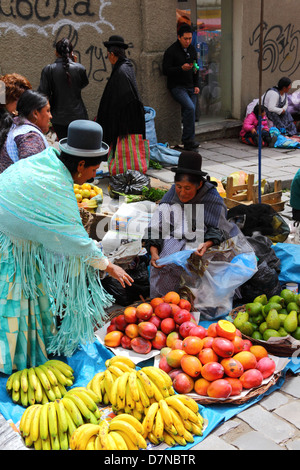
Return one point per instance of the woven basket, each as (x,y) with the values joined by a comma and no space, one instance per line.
(244,399)
(282,349)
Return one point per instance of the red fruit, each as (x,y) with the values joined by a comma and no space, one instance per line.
(212,371)
(251,378)
(163,310)
(168,325)
(201,386)
(177,344)
(159,341)
(247,345)
(174,308)
(156,321)
(236,386)
(184,328)
(192,345)
(207,355)
(225,329)
(191,365)
(238,344)
(171,338)
(174,357)
(211,330)
(223,347)
(147,330)
(220,388)
(163,365)
(126,342)
(120,322)
(175,372)
(144,311)
(199,331)
(208,341)
(182,316)
(183,383)
(141,345)
(266,366)
(185,304)
(111,328)
(232,367)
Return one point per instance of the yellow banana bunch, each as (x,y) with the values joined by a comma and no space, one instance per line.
(123,432)
(51,425)
(173,420)
(40,384)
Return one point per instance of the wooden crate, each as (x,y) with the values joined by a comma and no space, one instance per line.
(249,194)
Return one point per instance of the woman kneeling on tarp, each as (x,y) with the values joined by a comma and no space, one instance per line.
(49,267)
(194,249)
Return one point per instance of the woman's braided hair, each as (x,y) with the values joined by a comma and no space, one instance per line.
(64,48)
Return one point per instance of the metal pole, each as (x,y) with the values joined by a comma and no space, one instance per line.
(260,94)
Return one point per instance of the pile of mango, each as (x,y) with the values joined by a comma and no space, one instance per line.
(265,318)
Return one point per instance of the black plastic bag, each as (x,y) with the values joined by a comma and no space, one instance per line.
(130,182)
(129,294)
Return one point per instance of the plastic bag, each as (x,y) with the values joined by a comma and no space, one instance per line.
(150,125)
(130,182)
(289,255)
(163,154)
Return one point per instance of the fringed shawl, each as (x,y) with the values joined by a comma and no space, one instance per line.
(40,220)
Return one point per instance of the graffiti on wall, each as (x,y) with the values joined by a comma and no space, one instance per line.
(280,47)
(40,17)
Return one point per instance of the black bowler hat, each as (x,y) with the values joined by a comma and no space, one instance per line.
(189,163)
(84,139)
(116,41)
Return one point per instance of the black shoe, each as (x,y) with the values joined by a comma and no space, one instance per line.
(273,141)
(191,145)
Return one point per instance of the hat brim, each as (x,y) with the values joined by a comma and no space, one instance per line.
(115,43)
(87,153)
(188,171)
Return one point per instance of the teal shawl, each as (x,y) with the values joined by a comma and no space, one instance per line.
(40,221)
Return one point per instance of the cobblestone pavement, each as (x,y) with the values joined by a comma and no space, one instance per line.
(273,423)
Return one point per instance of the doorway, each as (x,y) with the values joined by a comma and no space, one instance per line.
(212,24)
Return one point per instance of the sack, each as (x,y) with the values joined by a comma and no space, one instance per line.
(131,153)
(163,154)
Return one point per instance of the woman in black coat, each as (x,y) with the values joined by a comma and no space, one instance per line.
(62,82)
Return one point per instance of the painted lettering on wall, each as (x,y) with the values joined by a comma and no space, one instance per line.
(280,47)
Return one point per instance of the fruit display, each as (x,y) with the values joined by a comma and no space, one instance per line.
(221,364)
(46,382)
(277,316)
(147,326)
(88,196)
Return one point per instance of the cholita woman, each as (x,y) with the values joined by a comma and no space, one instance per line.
(49,267)
(192,218)
(63,82)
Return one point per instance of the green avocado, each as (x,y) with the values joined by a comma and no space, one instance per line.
(253,308)
(277,299)
(287,295)
(293,306)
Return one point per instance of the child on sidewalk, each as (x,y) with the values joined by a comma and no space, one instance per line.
(249,131)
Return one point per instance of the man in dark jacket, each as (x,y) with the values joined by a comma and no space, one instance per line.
(183,81)
(120,111)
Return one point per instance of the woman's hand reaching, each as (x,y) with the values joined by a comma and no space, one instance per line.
(120,274)
(203,247)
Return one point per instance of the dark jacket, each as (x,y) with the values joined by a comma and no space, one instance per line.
(174,58)
(121,111)
(65,100)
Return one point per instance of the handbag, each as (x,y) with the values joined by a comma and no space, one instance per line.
(132,152)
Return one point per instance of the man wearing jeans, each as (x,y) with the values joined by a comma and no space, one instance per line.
(183,81)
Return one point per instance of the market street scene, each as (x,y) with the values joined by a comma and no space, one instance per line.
(149,234)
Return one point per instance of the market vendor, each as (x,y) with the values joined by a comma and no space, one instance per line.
(193,216)
(49,267)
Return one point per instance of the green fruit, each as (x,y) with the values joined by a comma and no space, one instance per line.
(262,327)
(293,306)
(282,332)
(269,306)
(262,299)
(253,308)
(255,326)
(269,333)
(276,299)
(297,299)
(283,311)
(291,322)
(296,333)
(258,319)
(257,335)
(287,295)
(246,328)
(282,317)
(273,320)
(240,319)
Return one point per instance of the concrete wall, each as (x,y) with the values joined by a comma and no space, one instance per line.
(29,29)
(281,47)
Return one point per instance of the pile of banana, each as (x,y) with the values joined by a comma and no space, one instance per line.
(123,432)
(41,384)
(173,420)
(49,426)
(102,381)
